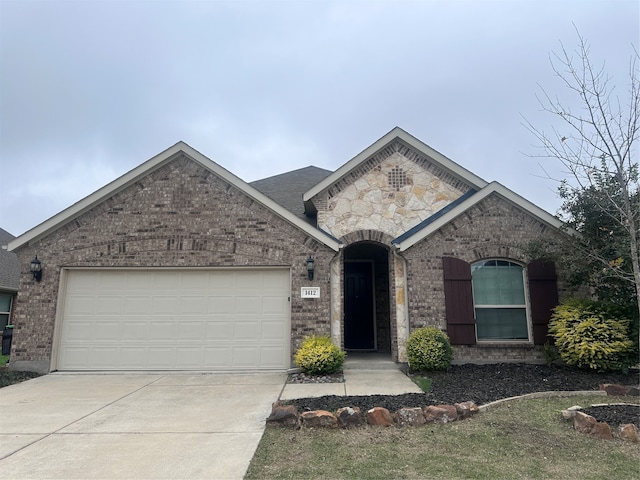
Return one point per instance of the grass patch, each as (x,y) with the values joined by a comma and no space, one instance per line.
(3,360)
(423,382)
(518,439)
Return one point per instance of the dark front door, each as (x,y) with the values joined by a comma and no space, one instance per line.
(359,323)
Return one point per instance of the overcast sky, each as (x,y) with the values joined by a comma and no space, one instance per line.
(91,89)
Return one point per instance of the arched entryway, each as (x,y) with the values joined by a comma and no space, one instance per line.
(367,306)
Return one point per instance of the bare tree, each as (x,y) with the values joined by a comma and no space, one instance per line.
(597,144)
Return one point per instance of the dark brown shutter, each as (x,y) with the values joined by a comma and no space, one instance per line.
(543,295)
(458,298)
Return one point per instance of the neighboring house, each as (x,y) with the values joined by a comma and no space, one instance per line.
(180,265)
(9,279)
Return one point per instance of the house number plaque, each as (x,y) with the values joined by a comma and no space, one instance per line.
(310,292)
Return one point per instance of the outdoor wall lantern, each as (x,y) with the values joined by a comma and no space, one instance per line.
(311,267)
(36,269)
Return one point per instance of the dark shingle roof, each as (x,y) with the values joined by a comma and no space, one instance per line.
(9,264)
(287,189)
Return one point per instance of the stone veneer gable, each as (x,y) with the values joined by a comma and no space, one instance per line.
(391,192)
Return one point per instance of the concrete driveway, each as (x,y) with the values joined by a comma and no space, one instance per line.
(134,425)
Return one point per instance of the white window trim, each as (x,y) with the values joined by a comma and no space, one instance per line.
(526,306)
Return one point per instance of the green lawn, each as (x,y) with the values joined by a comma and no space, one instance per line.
(521,439)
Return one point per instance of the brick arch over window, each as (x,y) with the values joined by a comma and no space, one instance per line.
(543,296)
(494,250)
(366,235)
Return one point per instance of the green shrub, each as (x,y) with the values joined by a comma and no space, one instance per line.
(591,335)
(318,356)
(428,348)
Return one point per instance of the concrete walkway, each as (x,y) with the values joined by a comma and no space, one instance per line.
(364,374)
(134,426)
(150,425)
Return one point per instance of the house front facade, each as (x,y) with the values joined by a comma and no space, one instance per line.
(180,265)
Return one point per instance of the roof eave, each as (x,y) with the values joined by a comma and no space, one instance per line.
(129,178)
(397,133)
(493,187)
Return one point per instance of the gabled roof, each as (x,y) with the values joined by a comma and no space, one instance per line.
(180,148)
(450,212)
(396,134)
(9,264)
(287,188)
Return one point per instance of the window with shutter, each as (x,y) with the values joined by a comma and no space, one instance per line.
(499,300)
(492,293)
(543,294)
(458,294)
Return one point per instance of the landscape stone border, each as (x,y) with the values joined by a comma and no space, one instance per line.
(286,415)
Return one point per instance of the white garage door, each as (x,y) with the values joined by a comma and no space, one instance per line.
(175,320)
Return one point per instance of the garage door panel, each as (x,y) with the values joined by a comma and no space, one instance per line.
(247,330)
(248,357)
(104,282)
(247,280)
(249,304)
(274,305)
(162,358)
(130,357)
(219,330)
(107,304)
(162,331)
(271,356)
(137,305)
(217,357)
(193,305)
(105,331)
(220,305)
(79,305)
(164,305)
(168,283)
(195,281)
(273,331)
(135,331)
(135,281)
(100,358)
(191,330)
(77,331)
(189,357)
(175,320)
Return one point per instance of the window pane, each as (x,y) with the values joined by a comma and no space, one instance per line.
(5,303)
(4,320)
(501,324)
(497,282)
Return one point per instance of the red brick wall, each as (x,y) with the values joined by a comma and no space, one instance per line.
(492,228)
(181,215)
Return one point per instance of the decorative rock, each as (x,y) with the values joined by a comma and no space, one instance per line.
(633,391)
(570,412)
(601,430)
(349,417)
(283,415)
(587,424)
(410,416)
(440,413)
(465,409)
(319,419)
(628,432)
(583,422)
(379,416)
(614,390)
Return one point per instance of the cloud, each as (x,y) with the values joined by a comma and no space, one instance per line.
(90,90)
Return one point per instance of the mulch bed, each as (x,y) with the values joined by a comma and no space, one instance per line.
(9,377)
(487,383)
